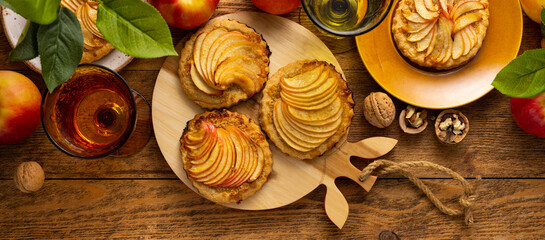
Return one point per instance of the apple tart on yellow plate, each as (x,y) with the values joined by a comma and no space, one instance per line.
(95,46)
(440,34)
(223,63)
(225,155)
(306,108)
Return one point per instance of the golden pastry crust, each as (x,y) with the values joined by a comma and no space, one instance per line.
(221,119)
(271,94)
(400,31)
(234,93)
(95,47)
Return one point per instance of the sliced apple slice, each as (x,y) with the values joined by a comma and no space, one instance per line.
(250,154)
(465,20)
(246,79)
(457,46)
(447,45)
(205,49)
(444,6)
(466,7)
(227,162)
(311,106)
(282,131)
(438,47)
(319,89)
(201,84)
(197,52)
(240,147)
(473,35)
(220,42)
(303,80)
(209,166)
(416,27)
(430,5)
(414,17)
(326,126)
(426,41)
(421,9)
(467,42)
(415,37)
(316,115)
(260,162)
(433,40)
(294,133)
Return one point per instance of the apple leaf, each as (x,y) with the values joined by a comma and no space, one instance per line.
(60,45)
(27,47)
(524,77)
(38,11)
(135,28)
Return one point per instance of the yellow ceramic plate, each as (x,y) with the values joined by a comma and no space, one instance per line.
(439,90)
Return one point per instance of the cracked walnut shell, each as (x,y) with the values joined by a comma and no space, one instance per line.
(29,177)
(379,110)
(451,126)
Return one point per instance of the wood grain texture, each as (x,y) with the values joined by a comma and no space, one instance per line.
(167,209)
(140,197)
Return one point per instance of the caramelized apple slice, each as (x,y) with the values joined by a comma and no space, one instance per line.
(447,45)
(438,47)
(246,79)
(294,134)
(316,115)
(250,154)
(430,5)
(301,103)
(444,6)
(457,46)
(465,20)
(222,41)
(197,52)
(426,41)
(417,27)
(413,17)
(325,126)
(421,9)
(241,155)
(433,41)
(302,81)
(210,165)
(226,162)
(200,83)
(205,49)
(415,37)
(283,133)
(260,162)
(467,42)
(466,7)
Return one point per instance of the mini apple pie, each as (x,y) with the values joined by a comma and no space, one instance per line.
(223,63)
(306,108)
(225,155)
(95,46)
(440,34)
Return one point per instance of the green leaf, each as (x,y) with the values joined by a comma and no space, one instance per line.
(60,45)
(524,77)
(5,4)
(135,28)
(27,47)
(38,11)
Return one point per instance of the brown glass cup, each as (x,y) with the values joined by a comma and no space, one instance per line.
(95,114)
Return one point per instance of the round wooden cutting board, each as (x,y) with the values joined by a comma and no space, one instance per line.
(291,178)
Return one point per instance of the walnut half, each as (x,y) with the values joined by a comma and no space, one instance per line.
(451,126)
(412,120)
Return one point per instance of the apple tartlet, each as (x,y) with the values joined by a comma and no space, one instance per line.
(95,46)
(306,108)
(223,63)
(440,34)
(225,155)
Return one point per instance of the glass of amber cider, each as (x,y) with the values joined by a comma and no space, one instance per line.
(95,114)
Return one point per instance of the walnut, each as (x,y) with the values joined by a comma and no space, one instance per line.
(379,110)
(29,177)
(451,126)
(413,121)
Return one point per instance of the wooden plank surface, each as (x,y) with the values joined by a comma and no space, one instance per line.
(140,197)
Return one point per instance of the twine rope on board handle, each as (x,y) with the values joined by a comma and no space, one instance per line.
(467,200)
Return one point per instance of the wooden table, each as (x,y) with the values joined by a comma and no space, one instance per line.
(140,197)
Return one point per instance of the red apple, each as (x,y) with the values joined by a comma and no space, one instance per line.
(529,113)
(20,102)
(185,14)
(277,6)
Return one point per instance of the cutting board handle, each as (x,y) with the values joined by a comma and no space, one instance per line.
(338,165)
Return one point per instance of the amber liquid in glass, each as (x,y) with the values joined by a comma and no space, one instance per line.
(93,111)
(340,15)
